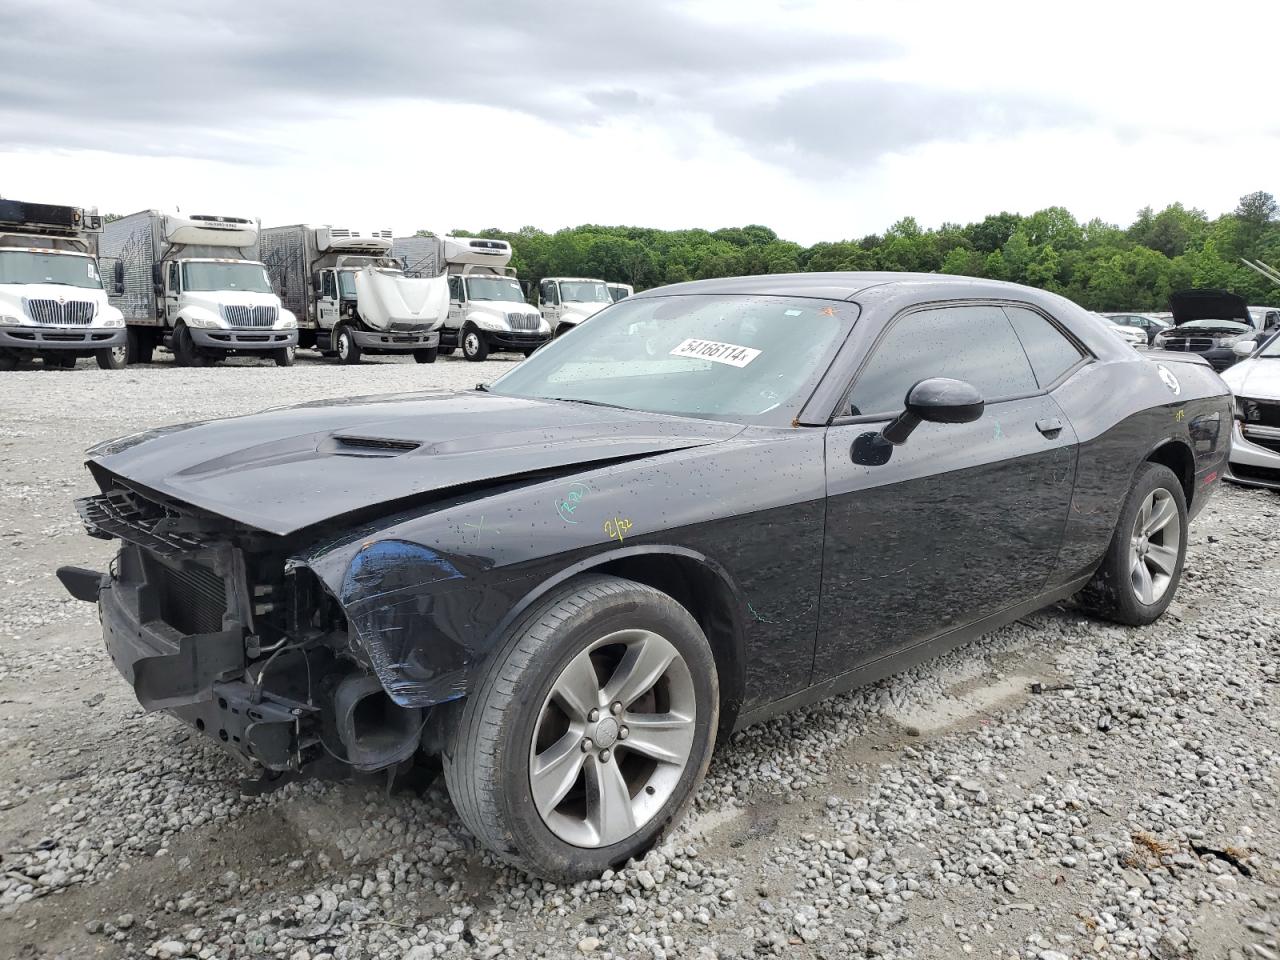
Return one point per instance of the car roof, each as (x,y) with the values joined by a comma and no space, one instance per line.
(848,285)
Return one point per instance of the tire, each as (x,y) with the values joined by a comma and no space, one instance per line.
(58,361)
(112,358)
(426,356)
(9,360)
(511,715)
(1120,590)
(185,353)
(345,346)
(446,351)
(283,356)
(474,345)
(141,348)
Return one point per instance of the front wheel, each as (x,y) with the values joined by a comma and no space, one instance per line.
(283,356)
(185,351)
(426,356)
(474,345)
(1143,565)
(344,344)
(588,731)
(112,358)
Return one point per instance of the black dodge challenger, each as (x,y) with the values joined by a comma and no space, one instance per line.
(709,503)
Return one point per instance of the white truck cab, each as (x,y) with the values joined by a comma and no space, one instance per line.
(487,307)
(620,291)
(52,302)
(566,301)
(194,284)
(351,295)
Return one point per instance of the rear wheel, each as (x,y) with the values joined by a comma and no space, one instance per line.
(345,346)
(446,350)
(59,361)
(426,356)
(1143,565)
(474,345)
(588,731)
(141,348)
(112,358)
(283,356)
(9,360)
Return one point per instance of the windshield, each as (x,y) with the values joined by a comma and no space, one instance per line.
(198,276)
(494,288)
(346,284)
(745,359)
(584,291)
(1271,348)
(1234,326)
(62,269)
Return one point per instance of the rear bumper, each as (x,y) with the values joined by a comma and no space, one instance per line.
(1250,463)
(63,338)
(243,340)
(396,340)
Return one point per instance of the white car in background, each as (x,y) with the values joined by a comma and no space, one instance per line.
(1255,435)
(1133,336)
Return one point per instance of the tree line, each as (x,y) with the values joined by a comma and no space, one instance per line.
(1100,265)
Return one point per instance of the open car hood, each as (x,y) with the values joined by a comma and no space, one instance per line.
(287,469)
(1208,305)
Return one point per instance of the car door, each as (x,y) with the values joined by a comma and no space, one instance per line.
(549,299)
(454,320)
(173,291)
(963,520)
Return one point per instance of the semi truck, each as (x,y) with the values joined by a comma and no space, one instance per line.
(352,297)
(193,283)
(52,302)
(566,301)
(487,307)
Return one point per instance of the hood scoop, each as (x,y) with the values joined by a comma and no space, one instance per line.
(372,446)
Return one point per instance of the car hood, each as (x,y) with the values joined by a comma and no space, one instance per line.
(1208,305)
(1257,379)
(287,469)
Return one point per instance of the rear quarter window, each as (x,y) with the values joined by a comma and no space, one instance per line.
(1049,350)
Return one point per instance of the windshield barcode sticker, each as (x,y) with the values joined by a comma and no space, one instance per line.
(714,350)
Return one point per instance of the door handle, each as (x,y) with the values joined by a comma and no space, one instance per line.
(1049,426)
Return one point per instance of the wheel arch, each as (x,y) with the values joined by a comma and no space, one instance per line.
(694,581)
(1178,457)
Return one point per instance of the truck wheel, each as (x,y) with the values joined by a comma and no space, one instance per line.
(446,351)
(587,732)
(185,353)
(9,360)
(58,361)
(345,346)
(112,358)
(283,357)
(1143,565)
(474,345)
(426,356)
(141,348)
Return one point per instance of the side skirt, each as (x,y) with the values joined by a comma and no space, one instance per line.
(893,663)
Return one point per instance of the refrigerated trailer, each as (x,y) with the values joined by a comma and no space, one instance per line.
(351,295)
(52,303)
(193,283)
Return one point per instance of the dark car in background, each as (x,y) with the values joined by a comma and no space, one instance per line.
(711,503)
(1210,323)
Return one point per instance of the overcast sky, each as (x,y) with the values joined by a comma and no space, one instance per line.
(822,120)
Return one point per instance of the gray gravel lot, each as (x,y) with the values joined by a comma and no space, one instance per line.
(1062,788)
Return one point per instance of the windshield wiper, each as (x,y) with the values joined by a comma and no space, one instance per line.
(590,403)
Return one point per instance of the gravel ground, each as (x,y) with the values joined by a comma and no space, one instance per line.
(1062,788)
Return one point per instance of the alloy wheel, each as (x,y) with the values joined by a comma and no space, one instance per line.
(1153,546)
(612,739)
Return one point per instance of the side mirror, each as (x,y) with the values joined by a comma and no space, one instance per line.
(936,400)
(117,278)
(157,279)
(1244,348)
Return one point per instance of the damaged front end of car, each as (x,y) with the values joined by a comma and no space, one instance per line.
(229,629)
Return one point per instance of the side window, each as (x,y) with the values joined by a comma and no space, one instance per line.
(549,292)
(1050,352)
(971,343)
(455,288)
(329,288)
(174,285)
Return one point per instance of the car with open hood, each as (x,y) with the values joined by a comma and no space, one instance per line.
(1209,323)
(735,497)
(1255,437)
